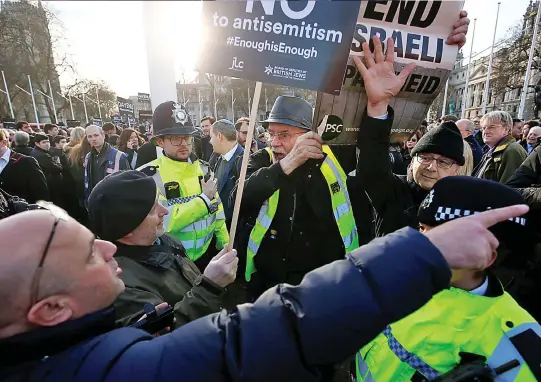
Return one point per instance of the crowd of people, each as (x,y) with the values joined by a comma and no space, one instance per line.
(419,261)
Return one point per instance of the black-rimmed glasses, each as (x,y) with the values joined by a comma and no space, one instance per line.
(58,214)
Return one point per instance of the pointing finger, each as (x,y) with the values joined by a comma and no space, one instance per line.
(491,217)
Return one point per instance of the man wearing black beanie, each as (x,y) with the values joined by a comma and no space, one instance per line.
(438,154)
(125,210)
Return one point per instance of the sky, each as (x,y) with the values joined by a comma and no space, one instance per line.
(106,39)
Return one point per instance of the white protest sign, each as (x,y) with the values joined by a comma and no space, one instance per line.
(420,30)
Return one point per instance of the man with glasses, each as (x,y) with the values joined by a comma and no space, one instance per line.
(438,154)
(186,185)
(242,126)
(505,155)
(296,207)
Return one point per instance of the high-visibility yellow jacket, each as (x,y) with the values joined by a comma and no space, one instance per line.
(189,218)
(427,343)
(341,205)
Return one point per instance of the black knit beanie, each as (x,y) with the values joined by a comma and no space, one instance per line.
(445,140)
(119,204)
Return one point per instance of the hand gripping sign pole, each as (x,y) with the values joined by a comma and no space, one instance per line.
(31,94)
(6,92)
(242,176)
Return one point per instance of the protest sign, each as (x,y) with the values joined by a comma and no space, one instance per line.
(97,122)
(419,29)
(116,119)
(125,108)
(145,115)
(302,44)
(73,123)
(143,97)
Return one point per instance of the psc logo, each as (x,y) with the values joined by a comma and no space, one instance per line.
(330,127)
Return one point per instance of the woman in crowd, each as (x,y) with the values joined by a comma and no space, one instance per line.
(76,150)
(410,144)
(129,142)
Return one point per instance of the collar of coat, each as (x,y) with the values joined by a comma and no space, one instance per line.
(503,143)
(45,341)
(156,255)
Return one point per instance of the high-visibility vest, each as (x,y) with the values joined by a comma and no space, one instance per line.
(189,218)
(341,206)
(428,341)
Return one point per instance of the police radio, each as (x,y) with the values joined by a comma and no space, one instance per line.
(172,190)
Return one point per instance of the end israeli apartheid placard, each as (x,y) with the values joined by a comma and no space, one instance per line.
(125,108)
(419,29)
(302,44)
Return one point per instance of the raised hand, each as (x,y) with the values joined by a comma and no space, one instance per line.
(380,81)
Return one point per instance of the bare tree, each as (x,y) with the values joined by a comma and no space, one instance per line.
(107,99)
(30,37)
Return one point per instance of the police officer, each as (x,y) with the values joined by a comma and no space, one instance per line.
(186,186)
(475,325)
(296,206)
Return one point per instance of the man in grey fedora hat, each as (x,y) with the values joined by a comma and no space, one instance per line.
(296,209)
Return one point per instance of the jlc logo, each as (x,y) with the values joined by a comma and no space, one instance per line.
(237,65)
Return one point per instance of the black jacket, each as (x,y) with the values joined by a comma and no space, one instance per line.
(227,182)
(23,177)
(25,150)
(162,273)
(394,198)
(206,149)
(145,154)
(527,179)
(303,235)
(53,171)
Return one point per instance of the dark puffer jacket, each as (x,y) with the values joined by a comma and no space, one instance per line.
(286,335)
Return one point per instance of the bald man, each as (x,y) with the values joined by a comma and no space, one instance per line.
(467,128)
(102,160)
(58,284)
(531,141)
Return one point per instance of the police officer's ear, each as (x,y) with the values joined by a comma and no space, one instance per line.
(159,141)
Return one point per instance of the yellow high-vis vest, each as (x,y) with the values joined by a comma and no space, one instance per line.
(341,206)
(189,218)
(428,342)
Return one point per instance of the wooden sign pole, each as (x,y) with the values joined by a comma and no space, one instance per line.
(242,177)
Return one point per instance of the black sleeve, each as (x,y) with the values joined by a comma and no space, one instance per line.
(384,189)
(37,185)
(262,180)
(147,153)
(527,179)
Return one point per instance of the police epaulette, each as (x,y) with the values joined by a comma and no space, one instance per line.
(149,170)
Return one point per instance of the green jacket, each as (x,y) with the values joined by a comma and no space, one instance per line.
(163,273)
(503,162)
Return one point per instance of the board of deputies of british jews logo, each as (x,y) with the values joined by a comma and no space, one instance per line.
(330,127)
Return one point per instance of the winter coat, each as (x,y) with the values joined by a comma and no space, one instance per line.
(162,273)
(287,335)
(395,198)
(499,164)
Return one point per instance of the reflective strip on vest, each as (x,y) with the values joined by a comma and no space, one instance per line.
(200,225)
(197,244)
(341,205)
(117,161)
(505,351)
(363,372)
(411,359)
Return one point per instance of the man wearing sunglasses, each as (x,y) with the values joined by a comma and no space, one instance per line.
(186,185)
(57,287)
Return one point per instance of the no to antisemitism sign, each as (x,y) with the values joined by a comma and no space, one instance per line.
(302,44)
